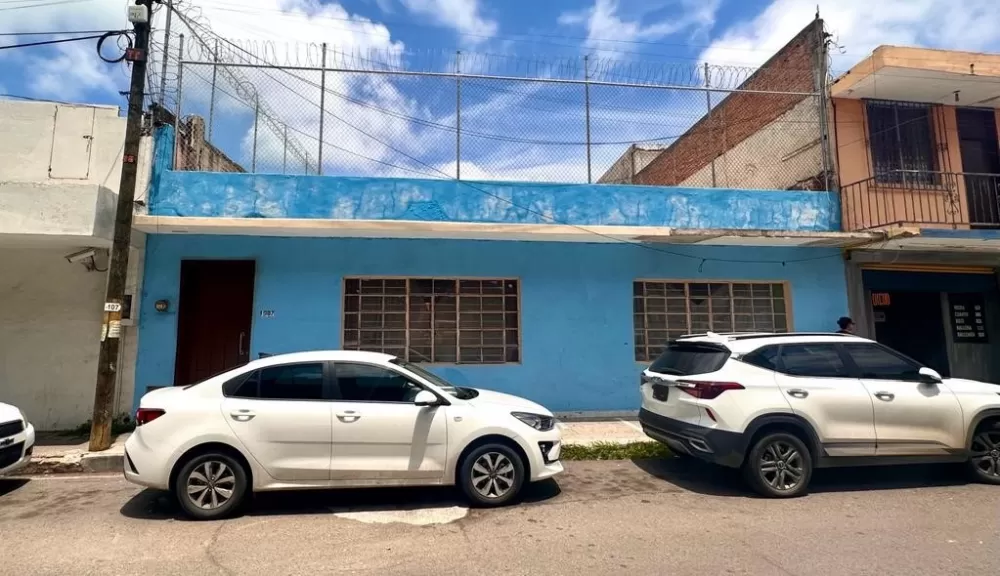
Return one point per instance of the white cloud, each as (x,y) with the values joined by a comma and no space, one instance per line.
(606,28)
(463,15)
(859,26)
(64,71)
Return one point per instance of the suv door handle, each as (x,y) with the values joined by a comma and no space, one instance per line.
(797,393)
(242,415)
(887,396)
(348,416)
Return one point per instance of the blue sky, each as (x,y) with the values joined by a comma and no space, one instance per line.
(512,130)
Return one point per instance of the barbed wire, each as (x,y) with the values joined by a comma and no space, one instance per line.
(597,69)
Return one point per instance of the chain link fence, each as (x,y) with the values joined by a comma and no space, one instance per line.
(479,117)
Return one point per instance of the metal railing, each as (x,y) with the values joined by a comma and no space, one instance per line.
(923,197)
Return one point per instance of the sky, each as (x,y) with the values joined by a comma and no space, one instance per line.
(406,125)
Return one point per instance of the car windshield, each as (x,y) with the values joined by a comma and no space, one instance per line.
(444,385)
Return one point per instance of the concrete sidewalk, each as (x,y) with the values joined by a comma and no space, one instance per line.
(72,457)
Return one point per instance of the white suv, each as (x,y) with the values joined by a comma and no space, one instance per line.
(780,405)
(336,419)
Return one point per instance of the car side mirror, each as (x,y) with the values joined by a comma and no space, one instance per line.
(929,375)
(426,398)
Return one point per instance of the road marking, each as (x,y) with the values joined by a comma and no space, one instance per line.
(418,517)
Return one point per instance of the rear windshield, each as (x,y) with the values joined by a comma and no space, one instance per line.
(687,358)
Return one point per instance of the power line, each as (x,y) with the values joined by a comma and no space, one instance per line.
(33,99)
(48,42)
(44,4)
(57,33)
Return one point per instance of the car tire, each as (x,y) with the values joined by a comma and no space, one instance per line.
(491,475)
(779,465)
(984,459)
(223,483)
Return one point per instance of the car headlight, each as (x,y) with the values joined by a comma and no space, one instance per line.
(536,421)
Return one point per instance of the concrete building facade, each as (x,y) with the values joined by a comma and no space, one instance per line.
(474,279)
(60,168)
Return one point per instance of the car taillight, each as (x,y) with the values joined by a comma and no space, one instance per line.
(707,390)
(147,415)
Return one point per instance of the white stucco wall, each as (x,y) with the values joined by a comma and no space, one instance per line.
(73,214)
(47,142)
(60,167)
(50,325)
(775,157)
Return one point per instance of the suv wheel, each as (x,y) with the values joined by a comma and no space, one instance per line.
(985,454)
(491,475)
(211,486)
(779,466)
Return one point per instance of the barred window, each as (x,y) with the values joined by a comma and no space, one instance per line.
(433,319)
(902,142)
(664,311)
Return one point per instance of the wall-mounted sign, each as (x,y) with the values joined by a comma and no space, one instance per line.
(881,299)
(267,313)
(968,318)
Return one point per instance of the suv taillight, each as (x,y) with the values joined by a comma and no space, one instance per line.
(707,390)
(147,415)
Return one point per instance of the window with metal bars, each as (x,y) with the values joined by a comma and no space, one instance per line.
(665,310)
(440,320)
(902,141)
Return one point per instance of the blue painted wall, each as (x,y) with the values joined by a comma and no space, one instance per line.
(204,194)
(576,299)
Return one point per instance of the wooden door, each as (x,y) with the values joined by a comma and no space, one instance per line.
(214,318)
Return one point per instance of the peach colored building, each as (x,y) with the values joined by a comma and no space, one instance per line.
(915,139)
(915,146)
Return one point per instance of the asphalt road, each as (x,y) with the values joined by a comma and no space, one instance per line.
(664,517)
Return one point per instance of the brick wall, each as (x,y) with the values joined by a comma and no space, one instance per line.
(194,151)
(741,115)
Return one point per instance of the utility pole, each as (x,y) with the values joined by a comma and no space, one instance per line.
(107,367)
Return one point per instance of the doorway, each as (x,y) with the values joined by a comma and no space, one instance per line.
(912,323)
(978,142)
(215,314)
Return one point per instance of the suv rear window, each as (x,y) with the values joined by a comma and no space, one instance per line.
(687,358)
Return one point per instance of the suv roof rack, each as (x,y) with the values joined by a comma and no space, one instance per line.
(752,335)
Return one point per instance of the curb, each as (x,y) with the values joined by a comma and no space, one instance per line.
(82,464)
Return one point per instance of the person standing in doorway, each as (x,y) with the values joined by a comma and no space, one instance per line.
(846,325)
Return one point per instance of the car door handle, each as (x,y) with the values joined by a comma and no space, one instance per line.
(797,393)
(242,415)
(887,396)
(348,416)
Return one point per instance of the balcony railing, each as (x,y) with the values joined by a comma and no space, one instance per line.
(900,197)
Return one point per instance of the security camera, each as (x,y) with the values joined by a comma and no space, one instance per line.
(81,256)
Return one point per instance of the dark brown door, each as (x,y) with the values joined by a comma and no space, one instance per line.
(214,318)
(977,134)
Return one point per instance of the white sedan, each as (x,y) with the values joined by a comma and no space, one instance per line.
(335,419)
(17,439)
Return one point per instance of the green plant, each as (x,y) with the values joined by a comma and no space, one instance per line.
(614,451)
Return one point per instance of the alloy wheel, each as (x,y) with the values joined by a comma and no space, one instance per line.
(986,453)
(781,466)
(493,475)
(211,485)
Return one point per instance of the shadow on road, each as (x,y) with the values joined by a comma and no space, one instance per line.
(158,505)
(8,485)
(703,478)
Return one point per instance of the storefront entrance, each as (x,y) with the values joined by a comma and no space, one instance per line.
(948,321)
(912,323)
